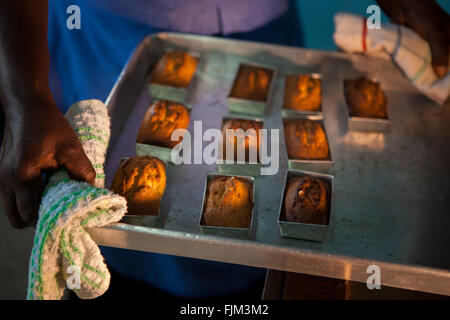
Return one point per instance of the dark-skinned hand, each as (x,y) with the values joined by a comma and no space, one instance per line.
(36,137)
(34,142)
(429,20)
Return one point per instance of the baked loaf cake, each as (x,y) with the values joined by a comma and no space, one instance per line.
(175,68)
(250,140)
(307,200)
(228,203)
(252,83)
(142,181)
(365,98)
(302,92)
(306,140)
(160,120)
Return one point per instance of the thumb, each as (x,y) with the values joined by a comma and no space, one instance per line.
(439,46)
(76,163)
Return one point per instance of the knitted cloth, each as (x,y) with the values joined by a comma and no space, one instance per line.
(411,53)
(63,253)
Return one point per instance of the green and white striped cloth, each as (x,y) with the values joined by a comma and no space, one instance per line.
(63,254)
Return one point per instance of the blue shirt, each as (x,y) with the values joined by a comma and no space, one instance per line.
(86,63)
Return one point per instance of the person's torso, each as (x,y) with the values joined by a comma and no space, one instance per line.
(199,16)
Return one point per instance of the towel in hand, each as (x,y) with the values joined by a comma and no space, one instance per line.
(63,253)
(406,48)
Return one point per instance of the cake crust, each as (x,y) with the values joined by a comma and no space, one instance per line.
(228,203)
(302,92)
(252,83)
(307,200)
(160,121)
(175,68)
(306,139)
(142,181)
(250,141)
(365,98)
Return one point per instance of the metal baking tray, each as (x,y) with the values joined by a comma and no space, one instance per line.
(251,107)
(306,231)
(324,165)
(391,190)
(142,220)
(176,94)
(162,153)
(244,169)
(366,124)
(241,233)
(291,112)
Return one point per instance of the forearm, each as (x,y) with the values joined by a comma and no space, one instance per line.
(24,55)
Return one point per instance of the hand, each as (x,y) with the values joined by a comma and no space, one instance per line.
(36,136)
(430,21)
(35,141)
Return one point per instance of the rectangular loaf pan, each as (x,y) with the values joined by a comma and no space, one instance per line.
(292,113)
(142,220)
(324,165)
(366,124)
(243,169)
(162,153)
(176,94)
(251,107)
(240,233)
(306,231)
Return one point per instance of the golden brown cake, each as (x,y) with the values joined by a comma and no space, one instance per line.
(302,92)
(252,83)
(249,140)
(228,203)
(307,200)
(160,120)
(142,181)
(365,98)
(306,140)
(175,68)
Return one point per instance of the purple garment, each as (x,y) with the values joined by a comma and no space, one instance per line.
(199,16)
